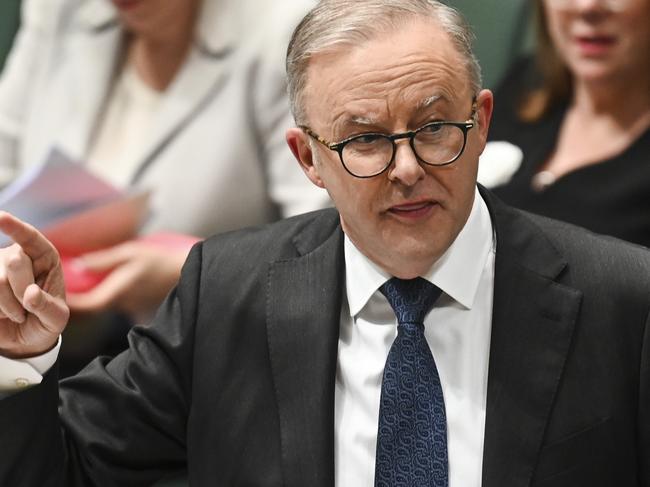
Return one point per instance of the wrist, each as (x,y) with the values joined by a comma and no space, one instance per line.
(27,352)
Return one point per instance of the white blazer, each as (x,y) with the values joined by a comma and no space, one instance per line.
(216,158)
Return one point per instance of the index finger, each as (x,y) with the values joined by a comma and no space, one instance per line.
(33,243)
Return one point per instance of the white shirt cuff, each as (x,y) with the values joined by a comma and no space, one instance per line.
(16,374)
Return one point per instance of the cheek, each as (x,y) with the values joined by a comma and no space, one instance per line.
(464,187)
(558,28)
(636,27)
(344,189)
(358,201)
(459,177)
(359,219)
(558,24)
(460,186)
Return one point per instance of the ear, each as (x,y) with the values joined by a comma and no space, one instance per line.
(485,105)
(299,144)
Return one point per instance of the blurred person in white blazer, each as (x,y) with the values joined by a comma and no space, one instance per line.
(185,97)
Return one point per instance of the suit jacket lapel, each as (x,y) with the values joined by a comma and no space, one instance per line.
(532,326)
(98,46)
(202,75)
(304,305)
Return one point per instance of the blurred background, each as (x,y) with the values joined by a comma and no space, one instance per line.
(9,19)
(503,31)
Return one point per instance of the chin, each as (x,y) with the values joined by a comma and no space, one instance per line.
(417,257)
(595,71)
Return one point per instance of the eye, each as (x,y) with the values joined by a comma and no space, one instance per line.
(433,133)
(431,129)
(366,139)
(367,144)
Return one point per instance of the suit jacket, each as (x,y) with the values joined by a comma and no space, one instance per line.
(216,157)
(237,371)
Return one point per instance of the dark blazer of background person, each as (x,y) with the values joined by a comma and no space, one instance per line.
(581,118)
(243,385)
(611,197)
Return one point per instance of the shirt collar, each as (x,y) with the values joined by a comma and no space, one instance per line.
(457,272)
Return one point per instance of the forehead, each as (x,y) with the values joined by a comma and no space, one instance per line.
(410,68)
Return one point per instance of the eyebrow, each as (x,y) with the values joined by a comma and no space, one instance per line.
(421,105)
(358,120)
(428,101)
(353,121)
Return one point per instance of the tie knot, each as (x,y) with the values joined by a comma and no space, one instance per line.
(410,299)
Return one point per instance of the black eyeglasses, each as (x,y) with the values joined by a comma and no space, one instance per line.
(367,155)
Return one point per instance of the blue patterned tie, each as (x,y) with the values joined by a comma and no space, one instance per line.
(412,435)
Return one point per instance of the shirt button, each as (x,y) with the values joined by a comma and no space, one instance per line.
(21,382)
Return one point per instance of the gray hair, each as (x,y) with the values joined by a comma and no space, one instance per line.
(335,24)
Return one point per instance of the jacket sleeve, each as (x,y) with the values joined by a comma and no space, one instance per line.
(289,188)
(120,422)
(644,409)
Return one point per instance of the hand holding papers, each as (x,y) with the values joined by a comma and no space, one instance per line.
(94,226)
(77,211)
(140,274)
(81,278)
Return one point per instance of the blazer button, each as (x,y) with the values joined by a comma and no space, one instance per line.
(21,382)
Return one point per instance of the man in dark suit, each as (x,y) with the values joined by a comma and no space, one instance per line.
(277,355)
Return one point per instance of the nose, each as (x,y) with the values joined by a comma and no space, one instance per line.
(406,168)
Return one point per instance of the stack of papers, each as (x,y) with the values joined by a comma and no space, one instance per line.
(76,210)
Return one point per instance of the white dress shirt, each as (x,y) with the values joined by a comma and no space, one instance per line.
(125,124)
(16,374)
(458,332)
